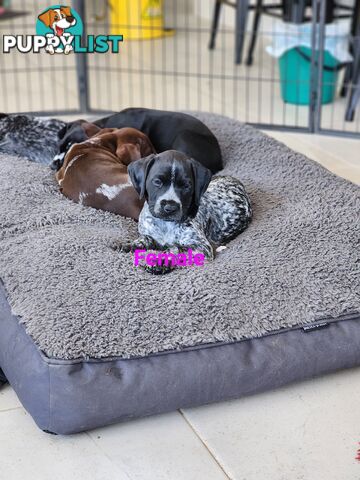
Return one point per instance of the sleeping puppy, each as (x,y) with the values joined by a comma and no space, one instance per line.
(33,138)
(94,172)
(184,208)
(166,131)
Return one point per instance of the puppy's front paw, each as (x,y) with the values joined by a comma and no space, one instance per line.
(68,49)
(126,247)
(140,243)
(156,264)
(50,49)
(121,247)
(158,270)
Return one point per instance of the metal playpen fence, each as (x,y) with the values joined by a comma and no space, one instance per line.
(165,62)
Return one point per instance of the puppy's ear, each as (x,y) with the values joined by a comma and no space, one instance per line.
(47,17)
(202,177)
(138,172)
(90,129)
(146,147)
(73,132)
(66,11)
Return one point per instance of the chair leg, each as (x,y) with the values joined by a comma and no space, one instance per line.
(355,84)
(254,32)
(346,80)
(3,379)
(242,9)
(215,24)
(353,101)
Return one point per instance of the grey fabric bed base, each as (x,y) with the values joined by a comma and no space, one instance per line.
(69,396)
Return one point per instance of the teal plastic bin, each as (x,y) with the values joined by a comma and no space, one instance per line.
(295,68)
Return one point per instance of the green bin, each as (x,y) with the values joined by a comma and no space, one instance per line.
(295,69)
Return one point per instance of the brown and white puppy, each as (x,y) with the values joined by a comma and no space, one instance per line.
(94,172)
(58,19)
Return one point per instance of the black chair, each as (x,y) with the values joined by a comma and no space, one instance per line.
(288,10)
(351,81)
(293,11)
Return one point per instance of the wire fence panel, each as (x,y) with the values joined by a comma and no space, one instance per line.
(178,71)
(34,82)
(165,62)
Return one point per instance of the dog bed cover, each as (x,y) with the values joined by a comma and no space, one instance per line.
(103,340)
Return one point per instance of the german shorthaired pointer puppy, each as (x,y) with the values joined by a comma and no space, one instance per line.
(48,140)
(33,138)
(184,208)
(94,172)
(166,130)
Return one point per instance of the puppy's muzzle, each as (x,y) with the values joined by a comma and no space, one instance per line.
(170,207)
(170,210)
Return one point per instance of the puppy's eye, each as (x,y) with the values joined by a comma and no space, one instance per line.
(157,182)
(185,187)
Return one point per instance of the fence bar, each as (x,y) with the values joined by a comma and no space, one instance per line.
(81,63)
(320,64)
(313,72)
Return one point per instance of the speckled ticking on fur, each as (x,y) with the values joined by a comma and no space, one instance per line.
(224,212)
(33,138)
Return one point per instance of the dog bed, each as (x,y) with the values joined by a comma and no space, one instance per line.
(87,339)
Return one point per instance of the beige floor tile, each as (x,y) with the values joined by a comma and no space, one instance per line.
(308,431)
(163,447)
(8,399)
(28,453)
(339,155)
(346,150)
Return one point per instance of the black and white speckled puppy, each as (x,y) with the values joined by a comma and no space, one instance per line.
(30,137)
(185,208)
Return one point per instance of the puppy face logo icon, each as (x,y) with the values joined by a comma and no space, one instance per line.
(59,29)
(59,24)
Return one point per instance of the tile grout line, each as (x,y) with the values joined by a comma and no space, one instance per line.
(10,409)
(106,455)
(205,445)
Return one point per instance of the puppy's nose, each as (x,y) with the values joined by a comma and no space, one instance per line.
(70,19)
(170,206)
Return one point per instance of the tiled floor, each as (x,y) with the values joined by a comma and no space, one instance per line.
(306,431)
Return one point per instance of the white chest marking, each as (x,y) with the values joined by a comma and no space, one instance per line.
(165,233)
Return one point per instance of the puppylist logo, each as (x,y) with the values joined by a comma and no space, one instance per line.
(59,29)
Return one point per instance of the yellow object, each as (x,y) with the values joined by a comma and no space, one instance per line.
(137,19)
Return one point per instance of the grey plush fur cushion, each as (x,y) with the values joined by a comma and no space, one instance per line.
(295,264)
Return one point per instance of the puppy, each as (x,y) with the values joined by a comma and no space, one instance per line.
(166,130)
(94,172)
(58,19)
(33,138)
(184,208)
(78,133)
